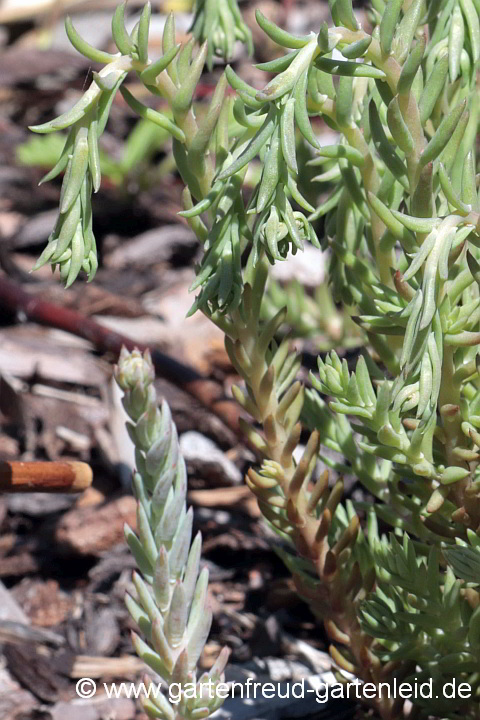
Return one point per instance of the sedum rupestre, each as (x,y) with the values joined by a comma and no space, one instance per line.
(396,580)
(170,605)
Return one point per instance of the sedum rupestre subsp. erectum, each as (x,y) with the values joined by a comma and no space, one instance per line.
(395,581)
(170,606)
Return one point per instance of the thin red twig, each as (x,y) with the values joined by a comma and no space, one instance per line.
(207,392)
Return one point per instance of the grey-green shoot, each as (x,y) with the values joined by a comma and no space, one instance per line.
(170,603)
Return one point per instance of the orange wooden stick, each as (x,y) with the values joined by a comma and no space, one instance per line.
(68,476)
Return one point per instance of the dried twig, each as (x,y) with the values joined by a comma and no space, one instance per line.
(46,477)
(206,391)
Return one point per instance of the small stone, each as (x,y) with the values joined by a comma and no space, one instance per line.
(307,267)
(207,460)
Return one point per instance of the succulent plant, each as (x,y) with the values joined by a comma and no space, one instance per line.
(170,603)
(395,580)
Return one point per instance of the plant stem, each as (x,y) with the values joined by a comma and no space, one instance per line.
(449,400)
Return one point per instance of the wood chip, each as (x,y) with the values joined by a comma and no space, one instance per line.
(19,633)
(34,670)
(18,62)
(90,531)
(102,633)
(226,497)
(106,667)
(195,338)
(13,699)
(10,608)
(22,563)
(94,299)
(237,541)
(97,708)
(154,246)
(44,603)
(30,350)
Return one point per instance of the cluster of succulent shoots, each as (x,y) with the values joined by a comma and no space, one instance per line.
(401,227)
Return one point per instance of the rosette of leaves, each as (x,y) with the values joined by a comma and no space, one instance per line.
(169,604)
(220,23)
